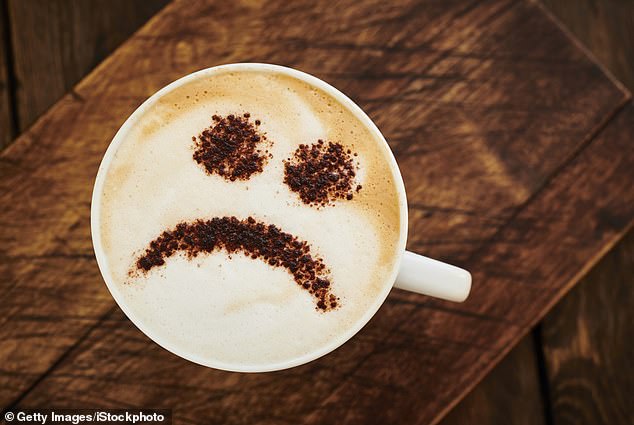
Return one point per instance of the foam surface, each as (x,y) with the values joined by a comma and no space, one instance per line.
(238,311)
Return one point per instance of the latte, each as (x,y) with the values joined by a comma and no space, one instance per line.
(248,219)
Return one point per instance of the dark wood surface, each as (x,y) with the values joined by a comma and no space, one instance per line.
(473,88)
(7,130)
(586,392)
(56,42)
(509,395)
(605,27)
(588,346)
(586,341)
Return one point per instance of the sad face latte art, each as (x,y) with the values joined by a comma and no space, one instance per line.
(248,219)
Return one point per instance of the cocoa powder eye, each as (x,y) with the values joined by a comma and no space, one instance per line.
(321,173)
(232,147)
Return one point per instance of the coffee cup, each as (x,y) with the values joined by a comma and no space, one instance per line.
(211,305)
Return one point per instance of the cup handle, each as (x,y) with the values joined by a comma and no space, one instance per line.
(432,277)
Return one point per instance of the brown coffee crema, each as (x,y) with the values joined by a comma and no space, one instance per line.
(255,239)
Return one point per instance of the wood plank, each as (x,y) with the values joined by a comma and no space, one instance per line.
(581,395)
(600,25)
(471,88)
(72,37)
(518,254)
(606,28)
(586,350)
(6,115)
(587,342)
(509,395)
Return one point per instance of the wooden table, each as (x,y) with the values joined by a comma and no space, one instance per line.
(515,147)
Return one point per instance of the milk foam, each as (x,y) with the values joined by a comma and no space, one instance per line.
(233,311)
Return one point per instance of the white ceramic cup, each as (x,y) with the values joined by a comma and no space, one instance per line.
(412,272)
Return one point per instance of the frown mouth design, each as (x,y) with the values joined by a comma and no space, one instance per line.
(252,238)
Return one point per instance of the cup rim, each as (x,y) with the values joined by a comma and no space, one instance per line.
(95,216)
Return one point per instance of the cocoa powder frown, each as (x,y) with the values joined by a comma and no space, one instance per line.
(249,237)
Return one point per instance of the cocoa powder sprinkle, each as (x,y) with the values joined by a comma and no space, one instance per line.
(231,147)
(321,173)
(252,238)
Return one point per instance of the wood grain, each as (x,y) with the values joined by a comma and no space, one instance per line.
(6,113)
(606,28)
(591,372)
(587,342)
(509,395)
(493,137)
(72,37)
